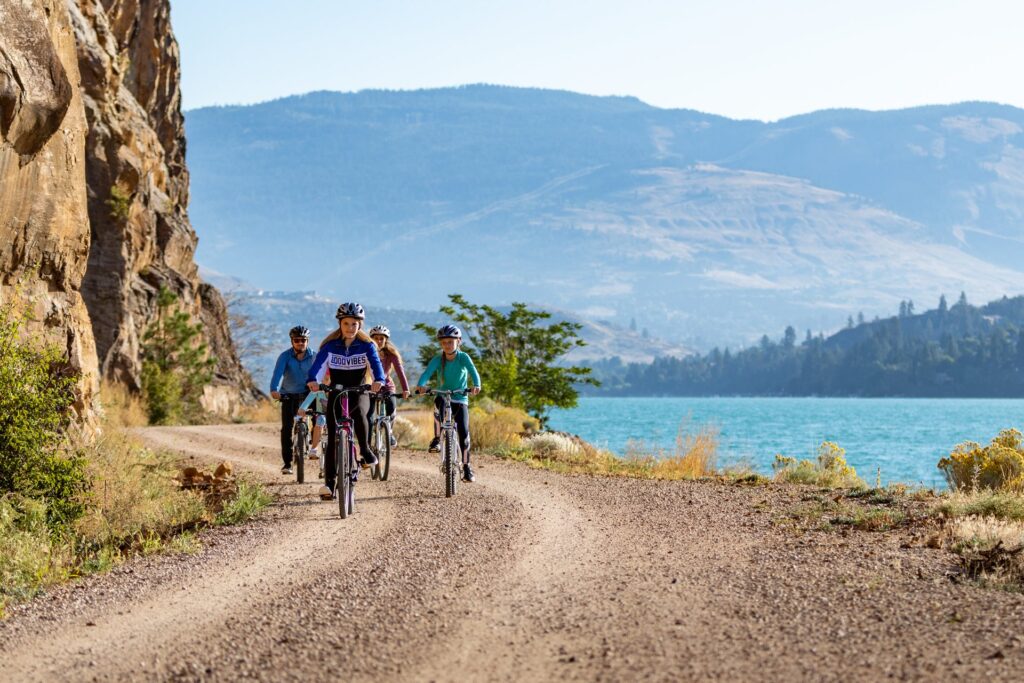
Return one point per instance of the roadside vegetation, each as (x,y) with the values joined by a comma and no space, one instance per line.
(74,500)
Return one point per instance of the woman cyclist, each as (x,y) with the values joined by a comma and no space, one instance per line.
(390,358)
(347,353)
(453,369)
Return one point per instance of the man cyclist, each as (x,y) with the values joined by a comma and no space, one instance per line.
(288,385)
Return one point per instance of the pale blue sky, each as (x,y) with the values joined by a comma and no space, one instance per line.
(738,58)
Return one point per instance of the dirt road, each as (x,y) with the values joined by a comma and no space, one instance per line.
(526,575)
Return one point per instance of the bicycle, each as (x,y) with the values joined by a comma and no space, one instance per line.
(380,435)
(451,450)
(344,447)
(300,439)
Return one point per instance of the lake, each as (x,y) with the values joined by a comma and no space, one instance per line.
(903,437)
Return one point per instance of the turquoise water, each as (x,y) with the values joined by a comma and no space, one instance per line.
(904,437)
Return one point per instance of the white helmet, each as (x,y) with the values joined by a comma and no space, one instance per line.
(381,330)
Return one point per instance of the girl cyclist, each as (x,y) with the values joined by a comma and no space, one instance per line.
(347,353)
(390,358)
(454,370)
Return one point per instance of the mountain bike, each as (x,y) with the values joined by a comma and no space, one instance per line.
(380,435)
(346,467)
(300,439)
(451,450)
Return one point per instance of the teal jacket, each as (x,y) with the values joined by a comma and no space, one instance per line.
(457,374)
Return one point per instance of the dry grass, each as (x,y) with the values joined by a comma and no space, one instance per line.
(991,550)
(414,428)
(262,411)
(133,495)
(695,456)
(982,503)
(121,409)
(494,426)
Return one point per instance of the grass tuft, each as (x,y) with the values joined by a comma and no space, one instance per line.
(249,501)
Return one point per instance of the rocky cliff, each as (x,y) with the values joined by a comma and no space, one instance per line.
(95,188)
(138,187)
(44,225)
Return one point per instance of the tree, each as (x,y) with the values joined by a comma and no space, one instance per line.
(943,306)
(789,337)
(176,365)
(849,322)
(517,356)
(860,318)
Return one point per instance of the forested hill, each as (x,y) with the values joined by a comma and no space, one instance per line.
(959,350)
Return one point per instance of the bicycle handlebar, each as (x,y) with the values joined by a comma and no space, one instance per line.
(361,389)
(447,392)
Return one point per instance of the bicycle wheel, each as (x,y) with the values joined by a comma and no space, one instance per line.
(353,469)
(344,476)
(385,454)
(375,444)
(300,447)
(449,464)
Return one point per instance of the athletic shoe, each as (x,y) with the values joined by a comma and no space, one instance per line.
(435,445)
(326,493)
(369,459)
(287,469)
(394,441)
(467,473)
(313,455)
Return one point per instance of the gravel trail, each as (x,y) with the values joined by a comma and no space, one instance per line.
(525,575)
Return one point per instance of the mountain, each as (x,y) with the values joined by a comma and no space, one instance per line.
(702,228)
(262,320)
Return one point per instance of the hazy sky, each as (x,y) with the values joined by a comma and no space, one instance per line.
(739,58)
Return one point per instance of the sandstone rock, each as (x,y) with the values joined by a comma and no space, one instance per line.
(44,228)
(138,191)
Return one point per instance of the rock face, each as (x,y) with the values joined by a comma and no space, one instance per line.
(44,225)
(94,188)
(138,189)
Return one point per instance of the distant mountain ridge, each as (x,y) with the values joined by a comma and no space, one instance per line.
(703,228)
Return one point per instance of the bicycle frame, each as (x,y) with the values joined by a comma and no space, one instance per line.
(451,449)
(345,464)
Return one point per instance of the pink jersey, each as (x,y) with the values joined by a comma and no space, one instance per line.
(389,361)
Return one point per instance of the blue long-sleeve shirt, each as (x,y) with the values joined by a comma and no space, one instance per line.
(290,373)
(457,374)
(347,364)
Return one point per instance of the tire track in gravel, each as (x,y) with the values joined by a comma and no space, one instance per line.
(121,642)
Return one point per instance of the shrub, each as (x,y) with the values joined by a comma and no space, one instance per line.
(413,429)
(29,559)
(553,444)
(830,470)
(991,550)
(35,410)
(997,467)
(695,456)
(493,425)
(982,503)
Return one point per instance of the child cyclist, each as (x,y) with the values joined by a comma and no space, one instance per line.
(390,358)
(347,353)
(453,369)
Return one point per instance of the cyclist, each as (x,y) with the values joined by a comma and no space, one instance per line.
(288,385)
(453,370)
(347,353)
(389,358)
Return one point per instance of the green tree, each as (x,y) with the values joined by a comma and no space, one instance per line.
(176,363)
(517,354)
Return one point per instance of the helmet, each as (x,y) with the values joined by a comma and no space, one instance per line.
(381,330)
(299,332)
(350,310)
(449,332)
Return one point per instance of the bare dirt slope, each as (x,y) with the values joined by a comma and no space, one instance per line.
(526,575)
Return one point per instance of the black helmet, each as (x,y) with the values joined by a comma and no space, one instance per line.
(299,332)
(379,329)
(350,310)
(449,332)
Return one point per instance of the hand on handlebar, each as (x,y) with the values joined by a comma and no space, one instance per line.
(421,389)
(276,395)
(405,393)
(475,390)
(313,386)
(375,387)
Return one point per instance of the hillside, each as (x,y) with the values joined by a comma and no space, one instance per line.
(704,229)
(951,351)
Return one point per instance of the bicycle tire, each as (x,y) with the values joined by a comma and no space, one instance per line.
(375,442)
(300,451)
(449,465)
(385,459)
(344,477)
